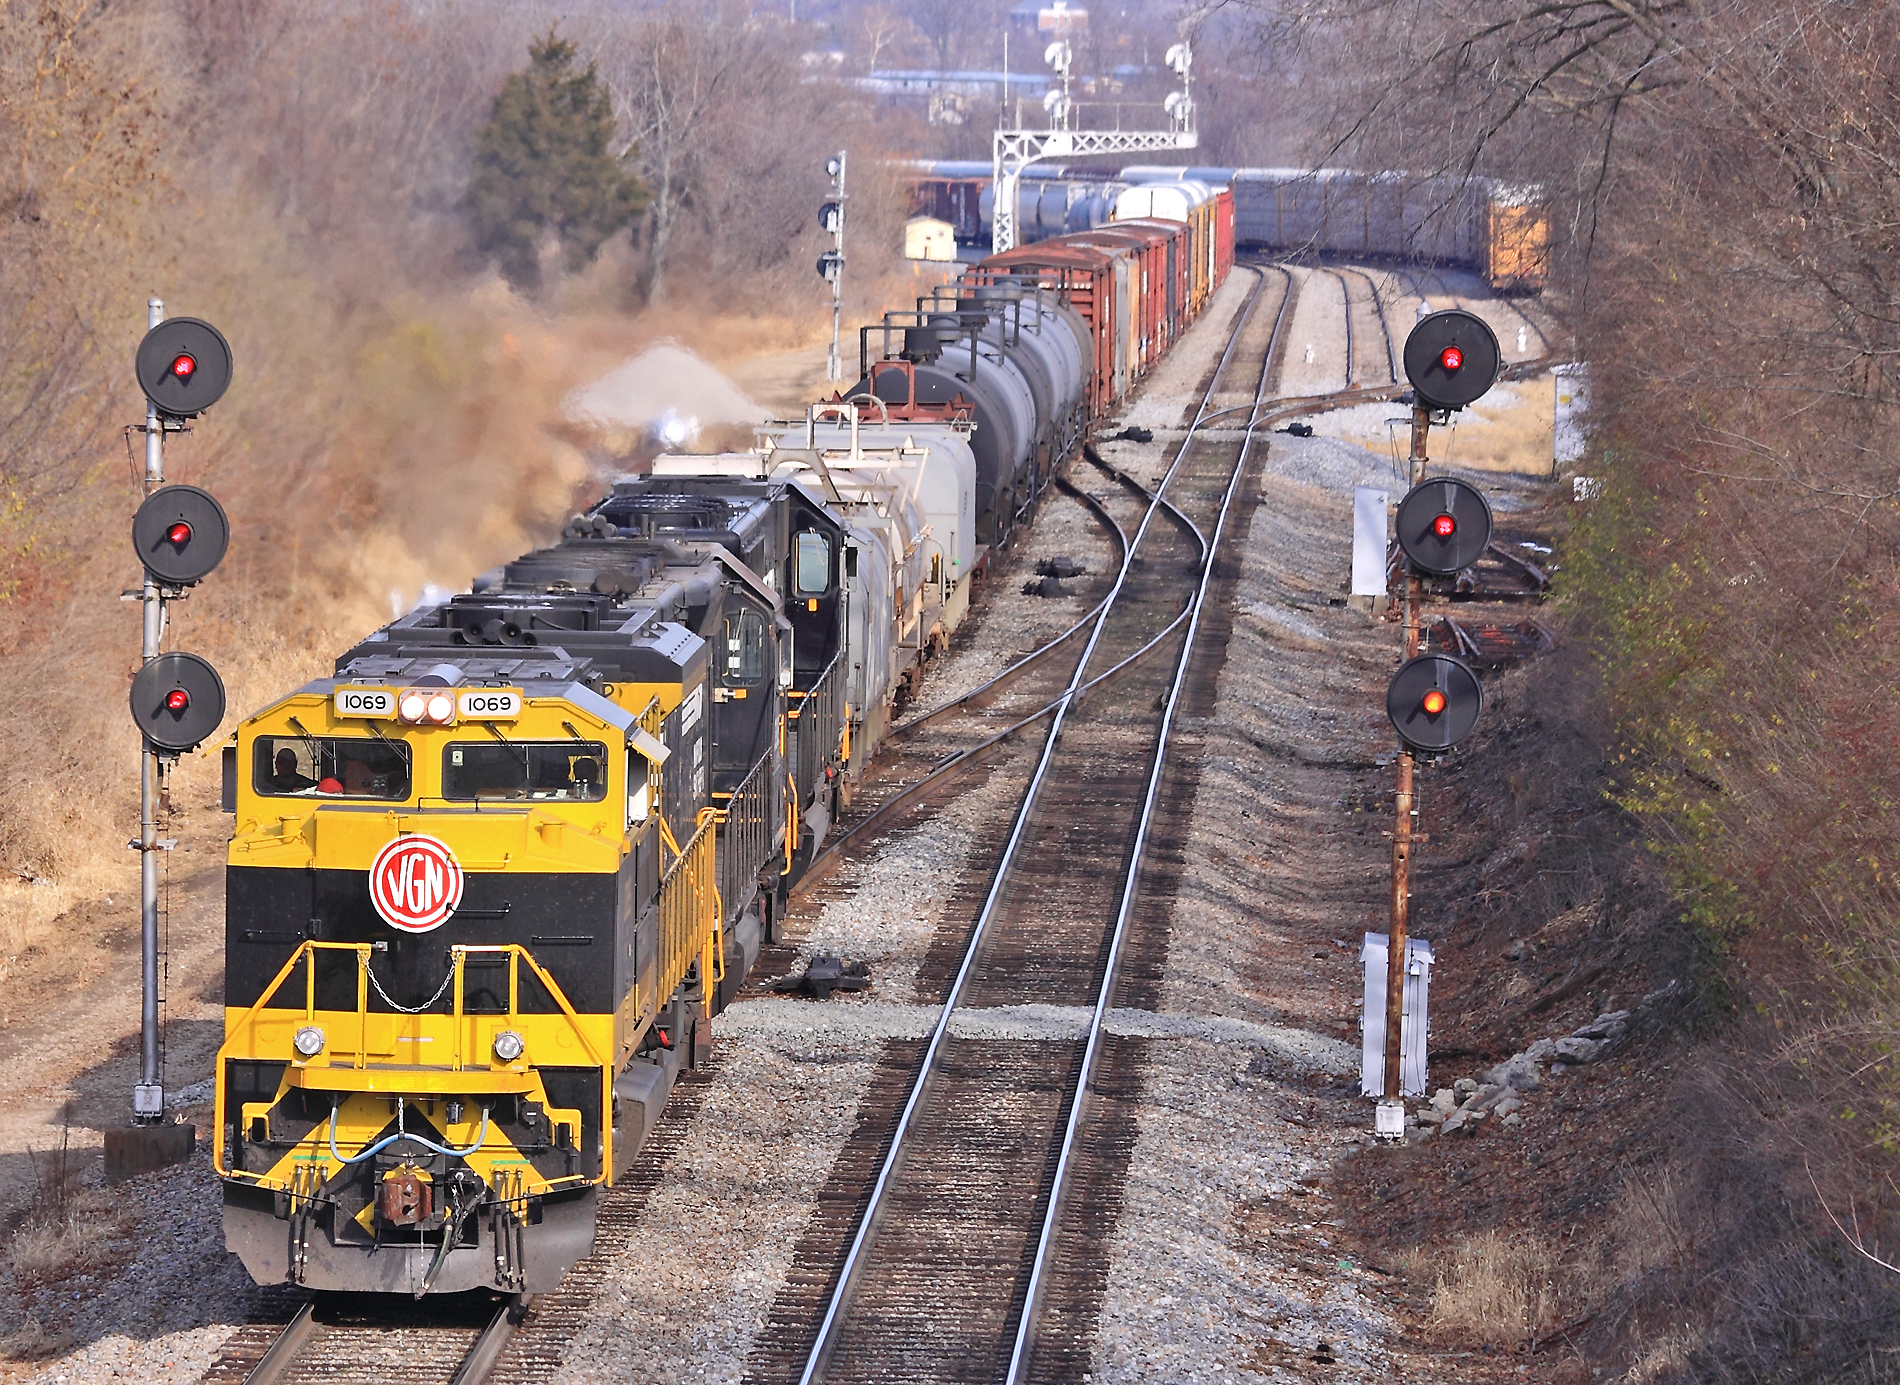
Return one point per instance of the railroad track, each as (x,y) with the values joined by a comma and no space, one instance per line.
(956,1247)
(347,1339)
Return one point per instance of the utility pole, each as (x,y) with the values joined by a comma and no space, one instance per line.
(831,263)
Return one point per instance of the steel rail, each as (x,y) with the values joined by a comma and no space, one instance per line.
(1175,512)
(276,1361)
(967,758)
(1091,1053)
(828,1328)
(1385,327)
(1022,665)
(1345,292)
(477,1364)
(973,755)
(483,1356)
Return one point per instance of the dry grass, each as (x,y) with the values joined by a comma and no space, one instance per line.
(1496,1288)
(70,1228)
(1508,431)
(31,1342)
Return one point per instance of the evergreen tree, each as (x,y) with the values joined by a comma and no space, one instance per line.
(544,162)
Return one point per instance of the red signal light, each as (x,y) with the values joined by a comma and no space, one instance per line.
(1451,358)
(177,700)
(1444,526)
(1434,702)
(179,534)
(184,366)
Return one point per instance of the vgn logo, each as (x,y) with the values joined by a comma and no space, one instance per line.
(415,884)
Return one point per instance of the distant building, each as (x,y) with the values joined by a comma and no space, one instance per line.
(926,238)
(952,98)
(1048,19)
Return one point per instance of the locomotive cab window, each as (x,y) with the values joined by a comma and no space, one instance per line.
(330,767)
(812,571)
(540,771)
(742,660)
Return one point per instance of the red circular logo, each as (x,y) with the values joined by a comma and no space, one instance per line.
(415,884)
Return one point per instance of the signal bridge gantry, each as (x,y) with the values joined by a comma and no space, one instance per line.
(1015,150)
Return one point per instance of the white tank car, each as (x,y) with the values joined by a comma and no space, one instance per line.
(906,493)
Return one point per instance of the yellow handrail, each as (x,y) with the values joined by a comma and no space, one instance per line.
(306,953)
(689,907)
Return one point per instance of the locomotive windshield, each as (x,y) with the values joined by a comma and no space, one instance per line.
(574,771)
(330,767)
(813,575)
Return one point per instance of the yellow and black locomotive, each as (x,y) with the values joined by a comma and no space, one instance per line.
(490,882)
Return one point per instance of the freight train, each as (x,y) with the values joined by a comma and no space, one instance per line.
(1501,230)
(491,880)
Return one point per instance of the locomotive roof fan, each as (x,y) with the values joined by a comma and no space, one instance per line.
(1452,358)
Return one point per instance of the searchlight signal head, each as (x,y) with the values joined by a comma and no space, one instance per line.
(1451,357)
(1444,525)
(177,702)
(180,534)
(1433,702)
(184,366)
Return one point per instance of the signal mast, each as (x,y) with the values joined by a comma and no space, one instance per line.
(1016,149)
(180,534)
(1443,526)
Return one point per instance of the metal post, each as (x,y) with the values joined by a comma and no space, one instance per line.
(1395,961)
(148,1097)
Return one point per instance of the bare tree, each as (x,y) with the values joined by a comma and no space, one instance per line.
(669,78)
(959,32)
(880,28)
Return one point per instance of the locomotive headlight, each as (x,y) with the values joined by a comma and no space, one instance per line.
(414,706)
(441,708)
(509,1045)
(308,1041)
